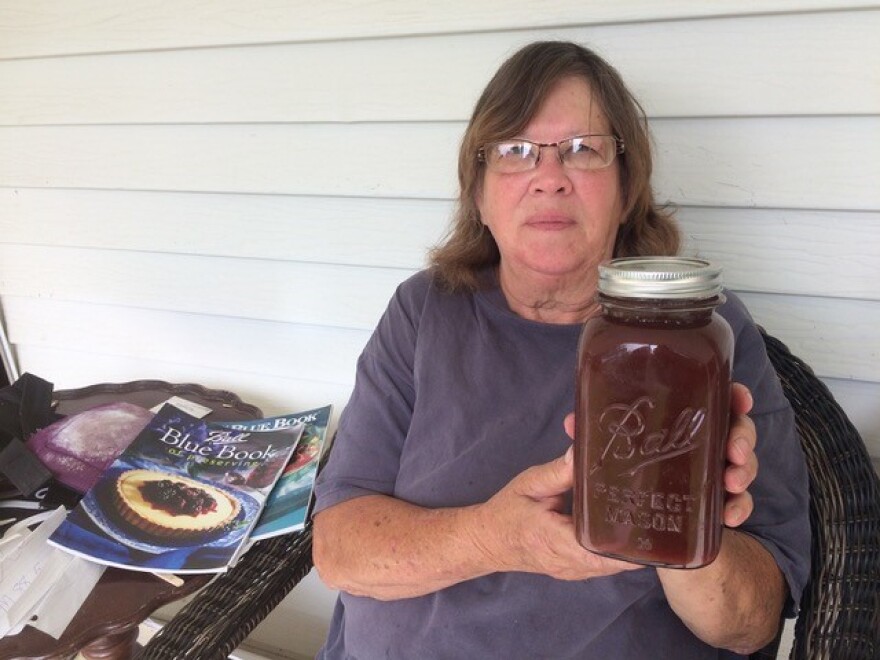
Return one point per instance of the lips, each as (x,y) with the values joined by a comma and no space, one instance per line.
(550,221)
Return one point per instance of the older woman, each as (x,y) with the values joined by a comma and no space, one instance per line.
(441,515)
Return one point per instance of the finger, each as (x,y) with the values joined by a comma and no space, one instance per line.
(737,509)
(568,423)
(738,478)
(740,399)
(609,565)
(547,480)
(742,438)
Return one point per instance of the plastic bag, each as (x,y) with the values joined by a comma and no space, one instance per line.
(77,449)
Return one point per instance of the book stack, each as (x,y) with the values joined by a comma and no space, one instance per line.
(190,496)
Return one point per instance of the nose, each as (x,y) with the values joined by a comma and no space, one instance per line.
(550,175)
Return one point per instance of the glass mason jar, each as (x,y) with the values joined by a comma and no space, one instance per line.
(652,410)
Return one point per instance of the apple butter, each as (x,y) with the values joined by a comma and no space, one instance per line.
(652,409)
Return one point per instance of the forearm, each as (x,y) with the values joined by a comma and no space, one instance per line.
(733,603)
(385,548)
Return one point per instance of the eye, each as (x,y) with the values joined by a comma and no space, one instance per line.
(585,145)
(586,152)
(513,150)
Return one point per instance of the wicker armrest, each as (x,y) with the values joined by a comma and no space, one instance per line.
(219,618)
(840,608)
(230,607)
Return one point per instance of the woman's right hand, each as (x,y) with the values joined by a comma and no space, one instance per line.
(386,548)
(523,528)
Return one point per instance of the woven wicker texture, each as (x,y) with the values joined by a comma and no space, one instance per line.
(218,619)
(840,609)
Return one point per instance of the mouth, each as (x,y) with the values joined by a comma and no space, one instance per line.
(550,222)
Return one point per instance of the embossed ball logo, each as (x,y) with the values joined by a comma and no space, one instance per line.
(629,438)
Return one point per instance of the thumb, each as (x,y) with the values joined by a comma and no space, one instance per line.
(549,479)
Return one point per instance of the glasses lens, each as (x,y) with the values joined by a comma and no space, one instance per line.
(588,152)
(511,156)
(582,152)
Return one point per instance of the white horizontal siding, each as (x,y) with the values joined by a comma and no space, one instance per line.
(314,294)
(46,27)
(720,69)
(283,349)
(777,251)
(759,162)
(838,336)
(349,230)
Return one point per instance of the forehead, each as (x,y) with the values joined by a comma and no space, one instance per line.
(569,108)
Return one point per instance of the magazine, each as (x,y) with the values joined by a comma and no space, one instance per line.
(183,497)
(290,502)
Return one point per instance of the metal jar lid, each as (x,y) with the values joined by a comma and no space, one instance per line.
(659,277)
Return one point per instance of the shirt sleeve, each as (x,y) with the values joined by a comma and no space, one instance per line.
(780,519)
(365,458)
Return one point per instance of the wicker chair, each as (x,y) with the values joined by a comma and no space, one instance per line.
(840,609)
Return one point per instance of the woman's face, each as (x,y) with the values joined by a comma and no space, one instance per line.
(552,221)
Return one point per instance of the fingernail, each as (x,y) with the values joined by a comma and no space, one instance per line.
(743,446)
(569,455)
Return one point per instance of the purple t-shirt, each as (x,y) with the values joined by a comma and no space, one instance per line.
(454,396)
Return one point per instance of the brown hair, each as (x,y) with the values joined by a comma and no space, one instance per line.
(510,100)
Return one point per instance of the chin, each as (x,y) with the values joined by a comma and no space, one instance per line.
(558,265)
(555,270)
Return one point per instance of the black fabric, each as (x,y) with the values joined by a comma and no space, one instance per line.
(25,406)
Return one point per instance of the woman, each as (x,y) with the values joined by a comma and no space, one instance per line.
(441,513)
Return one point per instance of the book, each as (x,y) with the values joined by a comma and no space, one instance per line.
(183,497)
(289,505)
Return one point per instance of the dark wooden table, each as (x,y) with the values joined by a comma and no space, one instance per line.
(106,626)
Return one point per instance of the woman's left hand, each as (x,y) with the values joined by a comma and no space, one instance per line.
(735,601)
(742,463)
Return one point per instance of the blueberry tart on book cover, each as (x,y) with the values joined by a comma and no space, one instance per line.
(163,505)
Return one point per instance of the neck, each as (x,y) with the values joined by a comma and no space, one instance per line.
(550,299)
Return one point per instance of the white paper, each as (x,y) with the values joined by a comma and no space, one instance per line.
(27,570)
(189,407)
(63,600)
(23,609)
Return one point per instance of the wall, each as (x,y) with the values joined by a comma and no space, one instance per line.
(228,193)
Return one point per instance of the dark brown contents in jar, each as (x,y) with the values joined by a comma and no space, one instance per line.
(652,417)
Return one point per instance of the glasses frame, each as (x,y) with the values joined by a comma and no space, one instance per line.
(620,148)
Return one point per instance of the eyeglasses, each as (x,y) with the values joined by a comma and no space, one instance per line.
(581,152)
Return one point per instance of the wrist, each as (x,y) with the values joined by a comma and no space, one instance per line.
(483,543)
